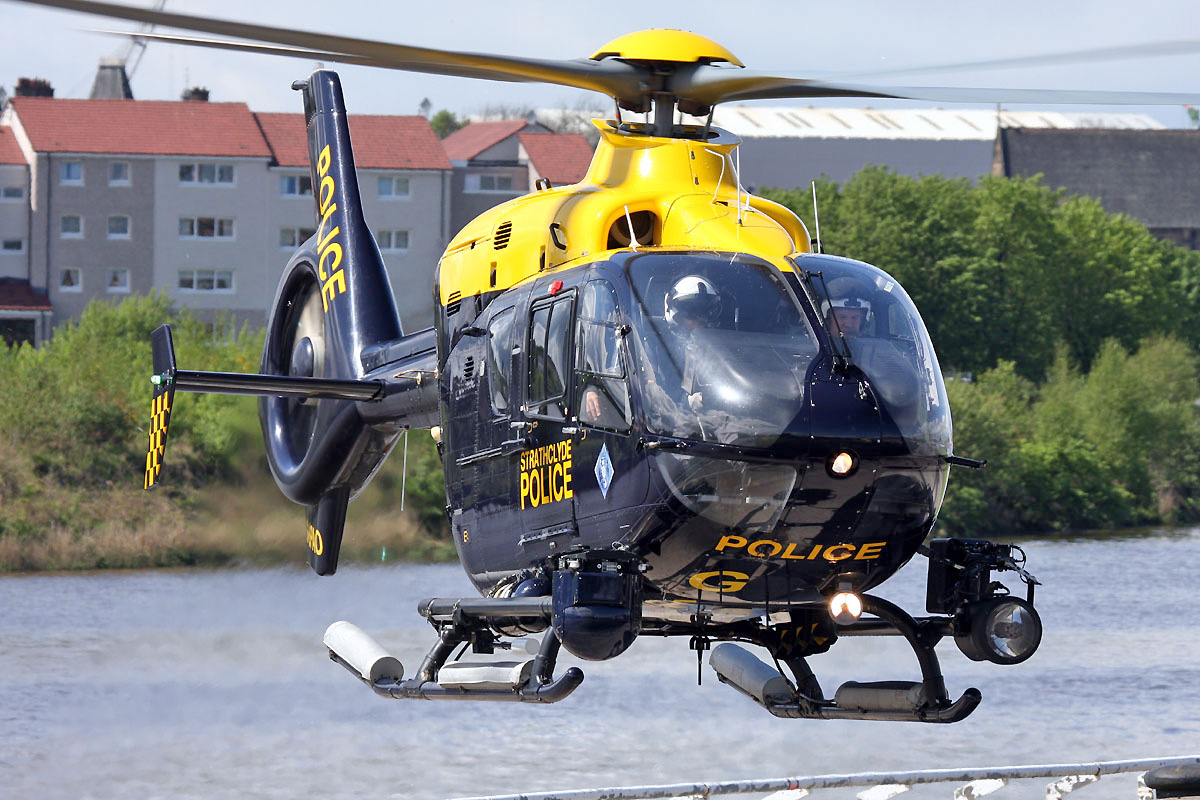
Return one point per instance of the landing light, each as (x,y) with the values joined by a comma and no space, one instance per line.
(842,464)
(845,607)
(1003,630)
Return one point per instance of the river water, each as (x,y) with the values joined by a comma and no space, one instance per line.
(215,684)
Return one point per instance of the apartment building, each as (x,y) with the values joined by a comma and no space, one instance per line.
(202,200)
(25,311)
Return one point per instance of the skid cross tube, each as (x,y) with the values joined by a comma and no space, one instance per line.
(457,619)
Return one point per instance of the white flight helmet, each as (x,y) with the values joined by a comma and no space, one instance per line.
(693,298)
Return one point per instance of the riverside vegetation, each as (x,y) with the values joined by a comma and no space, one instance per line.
(1068,337)
(73,419)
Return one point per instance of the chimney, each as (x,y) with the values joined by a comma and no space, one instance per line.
(33,87)
(197,93)
(111,83)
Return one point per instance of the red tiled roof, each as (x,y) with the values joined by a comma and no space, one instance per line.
(380,142)
(16,295)
(466,143)
(141,127)
(561,157)
(10,151)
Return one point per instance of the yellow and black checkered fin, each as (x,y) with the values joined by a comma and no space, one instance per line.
(164,397)
(160,418)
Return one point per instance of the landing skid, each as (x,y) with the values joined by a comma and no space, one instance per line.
(460,623)
(472,621)
(902,701)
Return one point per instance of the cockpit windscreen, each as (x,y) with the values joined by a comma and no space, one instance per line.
(722,348)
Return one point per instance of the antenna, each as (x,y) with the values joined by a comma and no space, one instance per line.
(816,218)
(633,242)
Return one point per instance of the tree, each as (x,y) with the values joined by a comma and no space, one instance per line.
(445,123)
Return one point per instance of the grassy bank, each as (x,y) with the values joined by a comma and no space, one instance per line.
(73,418)
(245,521)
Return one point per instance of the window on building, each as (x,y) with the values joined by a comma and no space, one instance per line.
(12,193)
(392,188)
(206,280)
(495,183)
(489,183)
(71,172)
(295,185)
(71,226)
(206,173)
(118,280)
(12,246)
(392,240)
(205,228)
(294,237)
(118,173)
(70,279)
(119,227)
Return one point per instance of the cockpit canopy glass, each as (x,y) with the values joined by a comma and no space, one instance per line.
(874,323)
(722,348)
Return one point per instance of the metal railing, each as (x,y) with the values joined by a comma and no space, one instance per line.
(971,783)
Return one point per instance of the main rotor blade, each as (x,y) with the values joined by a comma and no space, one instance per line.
(280,50)
(717,85)
(1176,48)
(612,77)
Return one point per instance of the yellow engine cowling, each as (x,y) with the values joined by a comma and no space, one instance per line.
(678,193)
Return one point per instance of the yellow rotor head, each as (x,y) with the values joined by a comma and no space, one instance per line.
(664,44)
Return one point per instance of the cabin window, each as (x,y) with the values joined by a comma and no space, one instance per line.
(500,360)
(600,366)
(549,358)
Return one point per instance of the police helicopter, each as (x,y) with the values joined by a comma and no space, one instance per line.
(661,410)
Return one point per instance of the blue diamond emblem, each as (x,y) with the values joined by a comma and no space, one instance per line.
(604,470)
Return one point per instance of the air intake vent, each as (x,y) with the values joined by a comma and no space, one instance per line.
(503,234)
(452,303)
(469,368)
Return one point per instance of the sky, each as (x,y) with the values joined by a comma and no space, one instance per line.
(814,39)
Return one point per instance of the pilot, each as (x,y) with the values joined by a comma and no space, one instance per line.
(893,376)
(849,309)
(693,302)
